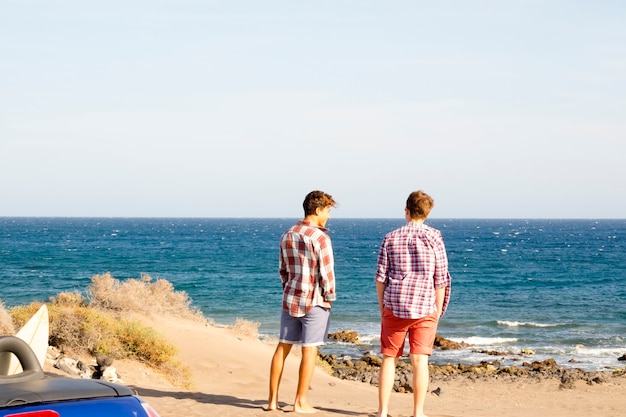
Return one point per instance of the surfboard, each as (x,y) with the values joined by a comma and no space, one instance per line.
(35,332)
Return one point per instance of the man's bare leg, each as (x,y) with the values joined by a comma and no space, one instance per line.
(276,374)
(305,375)
(386,378)
(420,383)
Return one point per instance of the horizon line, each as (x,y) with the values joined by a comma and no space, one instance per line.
(296,218)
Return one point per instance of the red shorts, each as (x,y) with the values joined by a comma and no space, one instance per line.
(393,331)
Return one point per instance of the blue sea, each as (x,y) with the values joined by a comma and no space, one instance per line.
(556,287)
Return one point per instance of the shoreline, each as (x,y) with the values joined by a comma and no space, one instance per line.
(508,363)
(366,368)
(229,377)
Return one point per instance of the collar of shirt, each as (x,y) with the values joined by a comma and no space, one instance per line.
(415,224)
(307,223)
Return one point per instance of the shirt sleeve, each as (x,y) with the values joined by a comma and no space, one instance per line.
(282,269)
(283,263)
(442,278)
(327,274)
(382,265)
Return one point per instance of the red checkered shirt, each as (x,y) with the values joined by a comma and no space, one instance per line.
(412,263)
(306,268)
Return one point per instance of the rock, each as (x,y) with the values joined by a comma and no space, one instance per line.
(104,361)
(367,368)
(597,378)
(513,371)
(74,367)
(622,358)
(567,380)
(110,374)
(346,336)
(331,359)
(445,344)
(445,370)
(487,369)
(493,352)
(52,354)
(543,366)
(373,360)
(436,391)
(83,367)
(67,365)
(361,365)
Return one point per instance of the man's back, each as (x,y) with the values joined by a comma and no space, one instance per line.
(306,267)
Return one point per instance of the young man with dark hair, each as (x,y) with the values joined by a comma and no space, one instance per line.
(306,269)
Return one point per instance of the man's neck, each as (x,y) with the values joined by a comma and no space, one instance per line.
(314,220)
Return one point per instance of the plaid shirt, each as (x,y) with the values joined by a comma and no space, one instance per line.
(412,263)
(306,268)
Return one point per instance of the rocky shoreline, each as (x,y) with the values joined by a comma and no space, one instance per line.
(366,368)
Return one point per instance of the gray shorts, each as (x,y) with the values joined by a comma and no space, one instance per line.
(310,330)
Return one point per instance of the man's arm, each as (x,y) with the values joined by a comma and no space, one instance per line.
(327,270)
(381,275)
(380,291)
(440,295)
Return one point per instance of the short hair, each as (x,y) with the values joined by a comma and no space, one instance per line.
(419,204)
(317,199)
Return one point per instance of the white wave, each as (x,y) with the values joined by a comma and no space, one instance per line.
(369,338)
(598,352)
(485,341)
(524,324)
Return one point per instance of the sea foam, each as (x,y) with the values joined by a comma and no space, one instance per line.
(508,323)
(485,341)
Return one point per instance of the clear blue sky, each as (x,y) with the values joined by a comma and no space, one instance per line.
(239,108)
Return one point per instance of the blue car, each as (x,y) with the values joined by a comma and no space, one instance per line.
(33,394)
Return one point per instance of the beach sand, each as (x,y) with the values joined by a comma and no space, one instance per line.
(230,378)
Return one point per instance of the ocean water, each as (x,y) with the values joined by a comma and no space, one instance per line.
(556,287)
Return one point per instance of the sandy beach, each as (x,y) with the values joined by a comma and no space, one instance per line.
(230,377)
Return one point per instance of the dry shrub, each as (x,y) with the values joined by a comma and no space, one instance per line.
(68,299)
(7,327)
(246,328)
(140,296)
(177,373)
(76,328)
(144,343)
(99,325)
(79,328)
(21,314)
(83,329)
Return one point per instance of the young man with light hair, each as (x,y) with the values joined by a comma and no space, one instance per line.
(413,288)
